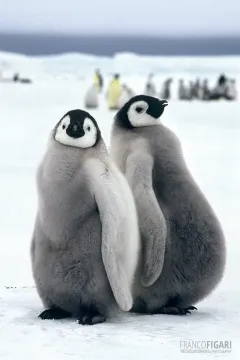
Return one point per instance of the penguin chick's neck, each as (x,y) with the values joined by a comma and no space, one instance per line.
(62,162)
(122,122)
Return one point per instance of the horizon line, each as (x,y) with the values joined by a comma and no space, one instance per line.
(118,34)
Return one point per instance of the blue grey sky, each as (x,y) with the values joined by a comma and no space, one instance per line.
(158,17)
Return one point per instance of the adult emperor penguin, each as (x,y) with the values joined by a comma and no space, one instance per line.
(183,257)
(85,243)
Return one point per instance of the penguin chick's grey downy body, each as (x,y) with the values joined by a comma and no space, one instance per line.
(183,256)
(81,256)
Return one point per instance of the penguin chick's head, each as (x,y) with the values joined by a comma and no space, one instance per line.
(77,128)
(141,110)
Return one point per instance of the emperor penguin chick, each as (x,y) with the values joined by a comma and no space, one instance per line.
(85,243)
(183,257)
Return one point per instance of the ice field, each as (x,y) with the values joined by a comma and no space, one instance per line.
(210,136)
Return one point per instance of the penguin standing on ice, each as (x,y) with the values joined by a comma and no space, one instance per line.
(205,91)
(91,98)
(85,242)
(126,95)
(183,257)
(182,90)
(114,92)
(166,90)
(191,90)
(231,92)
(196,89)
(98,80)
(150,88)
(220,90)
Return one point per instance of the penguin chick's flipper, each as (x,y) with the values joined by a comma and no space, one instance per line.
(119,234)
(174,310)
(54,313)
(153,226)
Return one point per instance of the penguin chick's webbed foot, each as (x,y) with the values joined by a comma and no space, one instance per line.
(54,314)
(174,310)
(91,319)
(90,316)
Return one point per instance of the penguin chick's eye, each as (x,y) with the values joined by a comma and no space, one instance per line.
(64,126)
(139,109)
(88,128)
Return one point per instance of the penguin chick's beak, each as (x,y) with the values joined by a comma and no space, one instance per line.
(75,131)
(164,103)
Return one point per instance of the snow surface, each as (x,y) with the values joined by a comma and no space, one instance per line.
(210,134)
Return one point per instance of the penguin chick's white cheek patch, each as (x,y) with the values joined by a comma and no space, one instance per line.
(61,135)
(137,115)
(88,139)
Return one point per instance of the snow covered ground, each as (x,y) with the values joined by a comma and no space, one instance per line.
(210,134)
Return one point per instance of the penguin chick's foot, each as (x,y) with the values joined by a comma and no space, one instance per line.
(174,310)
(54,313)
(90,316)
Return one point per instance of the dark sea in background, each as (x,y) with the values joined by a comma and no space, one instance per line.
(38,44)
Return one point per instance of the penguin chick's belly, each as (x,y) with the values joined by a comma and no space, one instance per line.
(74,276)
(185,279)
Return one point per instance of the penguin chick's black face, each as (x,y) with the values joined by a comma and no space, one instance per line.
(141,110)
(77,128)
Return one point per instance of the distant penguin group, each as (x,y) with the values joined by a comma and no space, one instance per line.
(225,88)
(118,94)
(127,230)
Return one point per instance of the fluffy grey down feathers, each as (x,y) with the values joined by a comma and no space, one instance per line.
(87,257)
(183,255)
(84,247)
